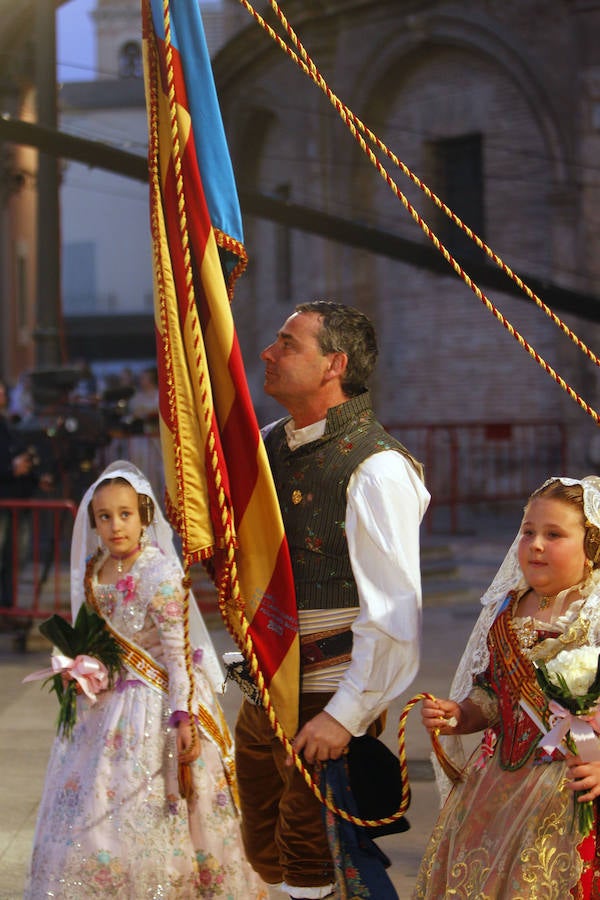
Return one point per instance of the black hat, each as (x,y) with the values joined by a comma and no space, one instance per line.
(376,783)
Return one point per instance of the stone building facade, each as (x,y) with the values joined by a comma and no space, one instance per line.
(495,105)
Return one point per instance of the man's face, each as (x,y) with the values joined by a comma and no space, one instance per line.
(294,364)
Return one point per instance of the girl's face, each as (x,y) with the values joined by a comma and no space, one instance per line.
(117,518)
(551,553)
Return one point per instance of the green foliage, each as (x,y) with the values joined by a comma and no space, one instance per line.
(88,636)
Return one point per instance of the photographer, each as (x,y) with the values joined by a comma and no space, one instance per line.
(18,481)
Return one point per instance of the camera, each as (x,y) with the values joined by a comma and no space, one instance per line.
(61,435)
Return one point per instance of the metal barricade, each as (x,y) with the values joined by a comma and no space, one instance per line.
(474,463)
(35,546)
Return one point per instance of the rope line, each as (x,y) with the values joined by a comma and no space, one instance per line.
(228,582)
(249,654)
(357,129)
(185,784)
(341,107)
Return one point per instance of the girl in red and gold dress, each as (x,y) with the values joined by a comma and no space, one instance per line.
(507,828)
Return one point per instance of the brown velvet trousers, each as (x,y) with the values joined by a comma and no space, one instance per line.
(282,822)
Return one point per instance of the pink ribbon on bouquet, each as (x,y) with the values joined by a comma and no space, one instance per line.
(582,731)
(88,672)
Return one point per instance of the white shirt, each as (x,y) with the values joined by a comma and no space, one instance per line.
(386,501)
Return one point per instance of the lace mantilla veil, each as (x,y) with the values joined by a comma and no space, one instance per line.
(85,542)
(509,577)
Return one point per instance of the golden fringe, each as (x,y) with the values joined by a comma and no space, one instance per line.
(186,783)
(453,772)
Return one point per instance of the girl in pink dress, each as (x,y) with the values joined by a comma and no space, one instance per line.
(112,821)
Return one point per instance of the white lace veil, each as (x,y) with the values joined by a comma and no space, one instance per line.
(84,543)
(476,657)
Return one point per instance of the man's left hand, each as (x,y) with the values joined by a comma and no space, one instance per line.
(321,738)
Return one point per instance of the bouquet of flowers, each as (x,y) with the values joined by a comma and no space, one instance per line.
(571,682)
(87,652)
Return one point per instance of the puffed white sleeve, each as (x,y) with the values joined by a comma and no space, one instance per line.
(386,501)
(166,607)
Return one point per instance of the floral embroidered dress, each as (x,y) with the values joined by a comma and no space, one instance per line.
(506,831)
(111,821)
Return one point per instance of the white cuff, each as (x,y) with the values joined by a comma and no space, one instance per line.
(311,893)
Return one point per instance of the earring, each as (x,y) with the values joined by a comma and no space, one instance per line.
(143,539)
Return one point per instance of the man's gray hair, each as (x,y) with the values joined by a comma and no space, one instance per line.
(346,330)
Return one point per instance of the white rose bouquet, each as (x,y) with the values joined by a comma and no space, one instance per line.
(571,682)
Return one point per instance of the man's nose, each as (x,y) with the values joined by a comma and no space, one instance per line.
(267,353)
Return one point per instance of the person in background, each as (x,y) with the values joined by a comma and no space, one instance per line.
(16,482)
(126,378)
(510,827)
(20,403)
(143,404)
(144,443)
(113,820)
(352,499)
(85,390)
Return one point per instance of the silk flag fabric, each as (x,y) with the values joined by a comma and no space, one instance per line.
(220,495)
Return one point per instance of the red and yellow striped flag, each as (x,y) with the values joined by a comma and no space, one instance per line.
(220,494)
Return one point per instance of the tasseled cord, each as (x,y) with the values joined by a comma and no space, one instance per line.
(450,770)
(184,770)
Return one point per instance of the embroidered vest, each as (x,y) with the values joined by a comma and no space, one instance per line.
(311,484)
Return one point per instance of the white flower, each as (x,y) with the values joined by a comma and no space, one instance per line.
(578,667)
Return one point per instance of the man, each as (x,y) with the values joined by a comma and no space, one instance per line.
(352,499)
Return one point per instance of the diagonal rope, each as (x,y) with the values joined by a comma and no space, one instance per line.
(342,108)
(357,129)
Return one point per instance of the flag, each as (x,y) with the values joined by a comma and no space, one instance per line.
(220,495)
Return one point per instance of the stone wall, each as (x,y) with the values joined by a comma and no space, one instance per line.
(523,76)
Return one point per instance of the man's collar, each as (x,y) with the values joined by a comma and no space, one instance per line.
(296,437)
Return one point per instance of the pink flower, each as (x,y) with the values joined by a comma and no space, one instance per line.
(205,877)
(127,587)
(173,609)
(103,877)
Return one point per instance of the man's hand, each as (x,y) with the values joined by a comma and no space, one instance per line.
(321,738)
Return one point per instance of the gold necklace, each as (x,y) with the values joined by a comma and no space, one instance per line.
(119,559)
(544,601)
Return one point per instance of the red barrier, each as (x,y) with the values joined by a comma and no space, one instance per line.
(468,464)
(35,546)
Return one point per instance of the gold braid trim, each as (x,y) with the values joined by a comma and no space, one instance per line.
(576,635)
(518,671)
(134,658)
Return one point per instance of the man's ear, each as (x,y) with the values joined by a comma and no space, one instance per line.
(338,363)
